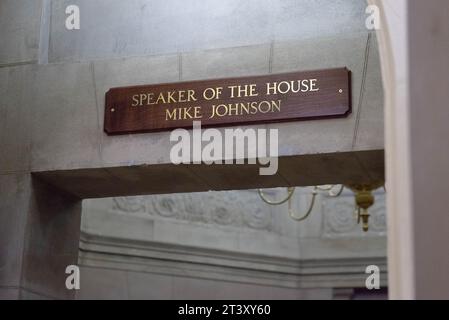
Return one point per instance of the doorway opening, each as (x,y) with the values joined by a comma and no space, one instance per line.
(230,245)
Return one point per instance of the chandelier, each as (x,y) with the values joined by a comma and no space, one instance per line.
(363,193)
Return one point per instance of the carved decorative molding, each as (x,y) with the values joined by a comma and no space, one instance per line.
(244,209)
(151,257)
(129,204)
(230,208)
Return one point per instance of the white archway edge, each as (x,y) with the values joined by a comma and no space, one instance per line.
(392,41)
(414,49)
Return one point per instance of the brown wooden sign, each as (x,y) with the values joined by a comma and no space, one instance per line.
(226,102)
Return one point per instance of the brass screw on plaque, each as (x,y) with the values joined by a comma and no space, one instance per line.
(341,90)
(112,110)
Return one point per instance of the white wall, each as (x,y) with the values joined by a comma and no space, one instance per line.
(414,51)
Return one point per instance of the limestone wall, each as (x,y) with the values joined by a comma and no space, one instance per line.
(53,83)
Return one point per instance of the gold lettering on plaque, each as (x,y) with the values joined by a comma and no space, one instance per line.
(294,86)
(146,99)
(183,113)
(247,90)
(238,109)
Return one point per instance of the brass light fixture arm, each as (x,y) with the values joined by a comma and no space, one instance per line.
(363,200)
(340,191)
(309,210)
(290,190)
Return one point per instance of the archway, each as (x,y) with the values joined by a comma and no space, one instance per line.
(63,155)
